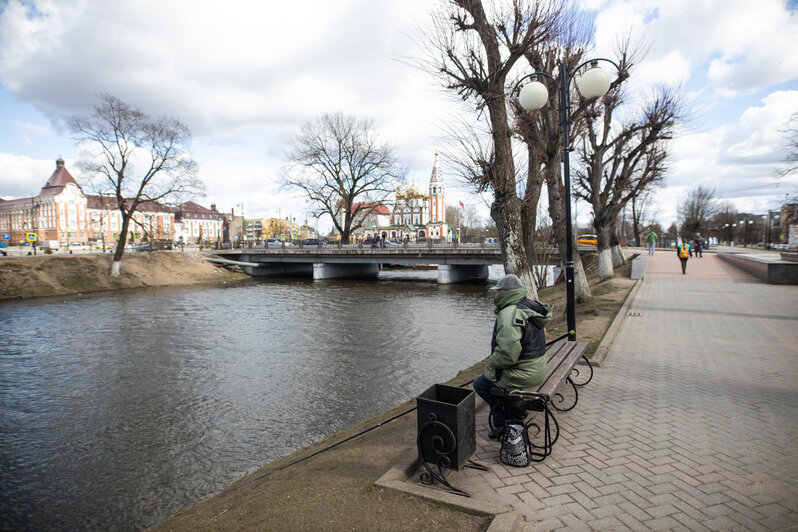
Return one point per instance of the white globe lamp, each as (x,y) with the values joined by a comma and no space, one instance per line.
(594,83)
(533,96)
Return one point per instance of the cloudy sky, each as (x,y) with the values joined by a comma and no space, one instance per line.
(244,75)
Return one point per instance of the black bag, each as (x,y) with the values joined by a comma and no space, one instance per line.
(515,449)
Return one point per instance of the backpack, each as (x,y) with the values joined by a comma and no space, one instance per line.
(684,251)
(515,449)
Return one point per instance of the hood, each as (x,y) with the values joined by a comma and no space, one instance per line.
(510,297)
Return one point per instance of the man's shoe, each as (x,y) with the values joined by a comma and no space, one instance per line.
(496,434)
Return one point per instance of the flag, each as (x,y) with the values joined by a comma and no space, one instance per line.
(461,204)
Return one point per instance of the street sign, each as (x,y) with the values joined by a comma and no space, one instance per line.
(6,236)
(31,237)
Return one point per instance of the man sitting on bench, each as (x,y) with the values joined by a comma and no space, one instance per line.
(518,348)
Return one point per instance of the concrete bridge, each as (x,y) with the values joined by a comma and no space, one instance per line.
(455,264)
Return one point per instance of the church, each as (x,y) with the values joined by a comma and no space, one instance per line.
(416,215)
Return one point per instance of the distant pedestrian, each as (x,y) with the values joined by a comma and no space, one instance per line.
(683,252)
(698,245)
(652,242)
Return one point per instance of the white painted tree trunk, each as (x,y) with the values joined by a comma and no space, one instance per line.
(618,259)
(605,268)
(582,290)
(115,268)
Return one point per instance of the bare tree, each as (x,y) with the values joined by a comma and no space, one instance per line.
(790,146)
(135,158)
(697,210)
(642,213)
(621,161)
(542,135)
(474,50)
(340,165)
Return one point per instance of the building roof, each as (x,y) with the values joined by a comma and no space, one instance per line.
(101,202)
(376,208)
(190,209)
(60,178)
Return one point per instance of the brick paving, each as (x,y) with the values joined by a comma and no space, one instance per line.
(689,425)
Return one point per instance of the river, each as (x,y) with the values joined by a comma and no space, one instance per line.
(118,409)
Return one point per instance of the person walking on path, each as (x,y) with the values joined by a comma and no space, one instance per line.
(683,252)
(518,347)
(651,238)
(698,243)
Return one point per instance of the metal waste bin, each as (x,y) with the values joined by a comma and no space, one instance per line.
(446,427)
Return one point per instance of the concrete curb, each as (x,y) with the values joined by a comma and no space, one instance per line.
(612,332)
(398,478)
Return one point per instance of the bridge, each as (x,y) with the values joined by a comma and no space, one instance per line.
(455,263)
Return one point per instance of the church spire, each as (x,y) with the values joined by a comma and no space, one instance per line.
(437,198)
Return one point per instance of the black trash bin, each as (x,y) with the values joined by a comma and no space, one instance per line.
(446,426)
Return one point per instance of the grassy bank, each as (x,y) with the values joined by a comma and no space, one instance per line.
(335,490)
(52,275)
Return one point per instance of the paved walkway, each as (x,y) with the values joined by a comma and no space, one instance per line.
(691,423)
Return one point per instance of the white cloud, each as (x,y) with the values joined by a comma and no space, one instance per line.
(244,75)
(735,46)
(23,177)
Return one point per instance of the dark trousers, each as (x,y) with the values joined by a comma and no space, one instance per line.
(684,265)
(498,411)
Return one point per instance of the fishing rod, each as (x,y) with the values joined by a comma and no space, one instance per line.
(378,425)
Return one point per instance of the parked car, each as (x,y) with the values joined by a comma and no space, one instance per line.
(274,243)
(313,242)
(587,240)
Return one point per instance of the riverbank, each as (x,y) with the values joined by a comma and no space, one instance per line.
(335,490)
(55,275)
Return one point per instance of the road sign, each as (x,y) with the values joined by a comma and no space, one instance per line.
(31,237)
(6,236)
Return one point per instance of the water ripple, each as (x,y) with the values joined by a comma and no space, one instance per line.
(119,409)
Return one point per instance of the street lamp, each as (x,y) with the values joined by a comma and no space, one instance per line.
(594,83)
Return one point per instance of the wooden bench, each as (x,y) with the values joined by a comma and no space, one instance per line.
(561,360)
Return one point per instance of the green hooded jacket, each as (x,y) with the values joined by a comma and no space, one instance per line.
(506,367)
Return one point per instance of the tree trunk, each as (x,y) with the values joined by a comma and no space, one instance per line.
(506,212)
(506,207)
(120,245)
(529,219)
(618,259)
(605,264)
(557,214)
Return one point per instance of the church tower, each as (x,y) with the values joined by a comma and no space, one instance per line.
(437,196)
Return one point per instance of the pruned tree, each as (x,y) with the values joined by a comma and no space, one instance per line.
(621,161)
(699,207)
(642,214)
(474,48)
(135,158)
(338,162)
(541,133)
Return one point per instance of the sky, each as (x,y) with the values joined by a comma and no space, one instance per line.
(244,76)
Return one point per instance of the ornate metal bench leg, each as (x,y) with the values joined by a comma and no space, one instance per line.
(576,372)
(442,446)
(548,441)
(561,399)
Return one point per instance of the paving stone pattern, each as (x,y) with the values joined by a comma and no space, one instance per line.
(690,424)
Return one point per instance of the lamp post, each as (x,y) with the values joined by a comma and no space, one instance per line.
(594,83)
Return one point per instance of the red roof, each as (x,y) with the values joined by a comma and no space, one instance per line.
(60,178)
(378,208)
